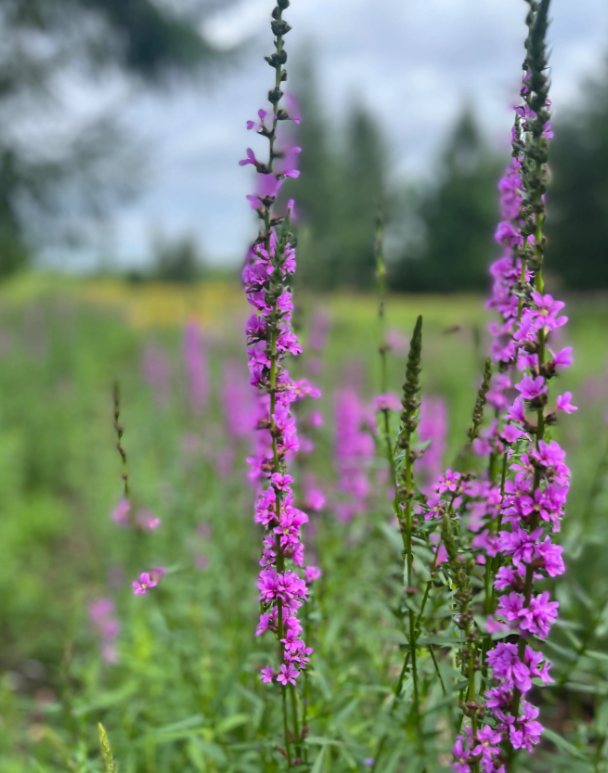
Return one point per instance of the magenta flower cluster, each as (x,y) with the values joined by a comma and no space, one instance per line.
(195,359)
(148,580)
(142,518)
(514,518)
(354,450)
(270,339)
(107,627)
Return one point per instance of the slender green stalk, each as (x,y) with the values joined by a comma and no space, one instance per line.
(397,693)
(383,347)
(119,433)
(106,750)
(535,183)
(410,418)
(481,400)
(294,710)
(277,60)
(286,726)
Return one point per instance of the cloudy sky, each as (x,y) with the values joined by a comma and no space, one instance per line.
(413,62)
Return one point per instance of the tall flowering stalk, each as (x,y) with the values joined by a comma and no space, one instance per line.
(402,456)
(404,497)
(529,480)
(195,358)
(270,339)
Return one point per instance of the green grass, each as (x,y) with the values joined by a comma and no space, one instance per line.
(185,695)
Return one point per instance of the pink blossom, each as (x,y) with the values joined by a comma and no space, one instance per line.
(146,581)
(288,674)
(267,675)
(146,520)
(564,404)
(532,388)
(387,402)
(196,366)
(120,514)
(312,573)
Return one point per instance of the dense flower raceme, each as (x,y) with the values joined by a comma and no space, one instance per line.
(319,328)
(141,518)
(239,403)
(432,432)
(354,449)
(148,580)
(277,442)
(107,627)
(157,372)
(516,512)
(270,338)
(196,366)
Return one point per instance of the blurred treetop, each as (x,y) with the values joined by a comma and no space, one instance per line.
(343,182)
(53,177)
(452,218)
(578,195)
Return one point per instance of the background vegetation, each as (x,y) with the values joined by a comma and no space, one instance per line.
(184,694)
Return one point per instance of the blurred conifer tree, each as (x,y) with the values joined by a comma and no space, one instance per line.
(47,42)
(338,193)
(452,219)
(578,195)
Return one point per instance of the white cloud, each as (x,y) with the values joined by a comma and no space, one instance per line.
(412,62)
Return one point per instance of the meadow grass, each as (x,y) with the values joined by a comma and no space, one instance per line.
(185,693)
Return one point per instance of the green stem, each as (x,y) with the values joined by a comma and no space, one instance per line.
(397,693)
(285,726)
(294,709)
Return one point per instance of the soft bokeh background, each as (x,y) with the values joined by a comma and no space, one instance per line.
(123,224)
(143,121)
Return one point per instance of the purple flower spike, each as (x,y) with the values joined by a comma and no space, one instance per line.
(564,404)
(251,159)
(271,340)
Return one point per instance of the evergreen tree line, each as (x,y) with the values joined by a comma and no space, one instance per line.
(55,179)
(441,232)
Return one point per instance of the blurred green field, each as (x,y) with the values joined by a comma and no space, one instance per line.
(185,695)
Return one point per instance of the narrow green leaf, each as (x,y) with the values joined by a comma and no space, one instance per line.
(596,655)
(319,740)
(106,751)
(442,641)
(561,743)
(320,761)
(594,689)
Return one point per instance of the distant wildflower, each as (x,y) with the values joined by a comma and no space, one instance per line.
(196,366)
(157,372)
(107,626)
(146,520)
(270,337)
(120,514)
(147,580)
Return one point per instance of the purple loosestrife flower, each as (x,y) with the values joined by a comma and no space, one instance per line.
(312,573)
(196,366)
(564,404)
(314,499)
(107,627)
(387,402)
(120,514)
(354,450)
(142,519)
(270,340)
(432,429)
(143,584)
(157,372)
(535,478)
(319,328)
(146,520)
(238,401)
(147,580)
